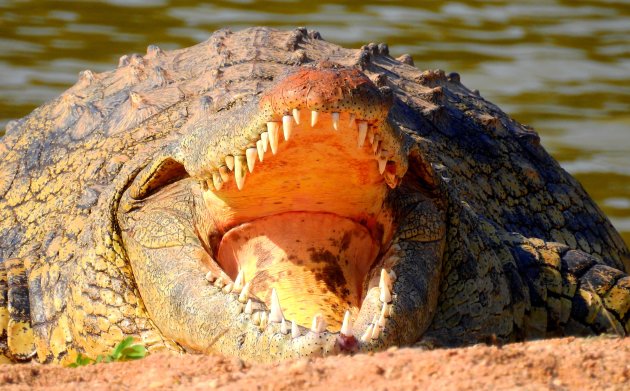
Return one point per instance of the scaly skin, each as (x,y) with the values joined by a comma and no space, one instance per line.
(109,217)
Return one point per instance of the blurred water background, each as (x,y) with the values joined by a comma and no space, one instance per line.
(562,67)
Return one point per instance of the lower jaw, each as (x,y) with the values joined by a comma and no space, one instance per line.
(317,263)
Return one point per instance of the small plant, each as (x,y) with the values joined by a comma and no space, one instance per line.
(124,351)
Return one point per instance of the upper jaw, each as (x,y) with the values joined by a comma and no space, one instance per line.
(224,147)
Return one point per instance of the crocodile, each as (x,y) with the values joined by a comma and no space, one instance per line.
(269,195)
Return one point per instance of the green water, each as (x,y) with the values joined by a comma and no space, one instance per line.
(562,67)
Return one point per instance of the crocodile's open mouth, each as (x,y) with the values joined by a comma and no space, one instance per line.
(279,231)
(308,218)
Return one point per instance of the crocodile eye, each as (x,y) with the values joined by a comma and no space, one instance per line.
(159,173)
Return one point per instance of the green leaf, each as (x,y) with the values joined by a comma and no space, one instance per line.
(124,351)
(117,352)
(134,352)
(80,361)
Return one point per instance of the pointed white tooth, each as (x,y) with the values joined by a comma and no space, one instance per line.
(272,130)
(217,181)
(239,171)
(209,277)
(264,137)
(228,288)
(335,121)
(362,132)
(346,326)
(218,282)
(256,318)
(314,118)
(287,126)
(224,173)
(264,319)
(275,315)
(392,275)
(296,116)
(376,143)
(382,163)
(261,150)
(229,162)
(378,149)
(368,333)
(251,153)
(383,316)
(370,136)
(384,280)
(248,307)
(295,330)
(284,329)
(386,296)
(319,324)
(244,293)
(376,330)
(238,282)
(353,118)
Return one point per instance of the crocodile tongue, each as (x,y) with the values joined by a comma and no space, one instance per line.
(317,262)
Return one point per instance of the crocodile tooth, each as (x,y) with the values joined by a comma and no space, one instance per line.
(238,282)
(319,324)
(244,295)
(382,163)
(335,121)
(376,142)
(375,329)
(275,315)
(383,316)
(378,146)
(239,171)
(287,126)
(261,150)
(229,162)
(362,132)
(295,330)
(314,118)
(296,116)
(346,326)
(370,136)
(248,307)
(353,119)
(391,179)
(272,130)
(228,288)
(217,181)
(218,282)
(256,318)
(225,173)
(264,319)
(209,277)
(386,296)
(368,333)
(251,153)
(264,137)
(384,281)
(392,275)
(284,329)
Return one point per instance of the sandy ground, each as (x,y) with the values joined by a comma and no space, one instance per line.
(601,363)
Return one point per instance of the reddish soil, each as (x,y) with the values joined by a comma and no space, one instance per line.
(560,364)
